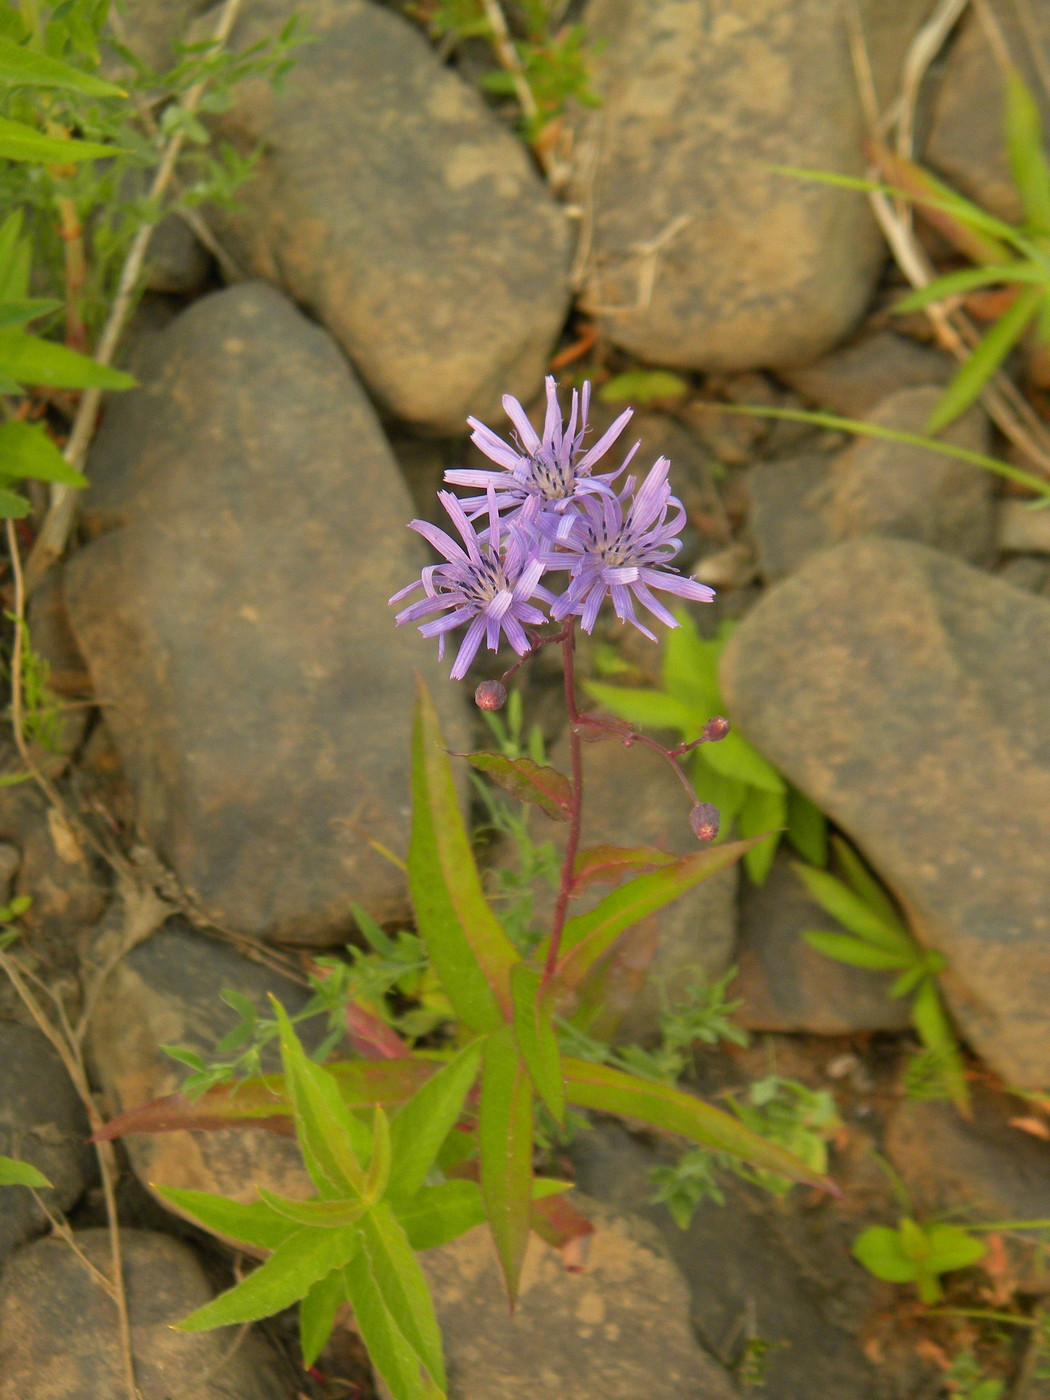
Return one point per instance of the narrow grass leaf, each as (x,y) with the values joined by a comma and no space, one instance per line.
(21,65)
(544,787)
(21,142)
(671,1110)
(589,936)
(468,947)
(855,951)
(864,884)
(505,1139)
(254,1223)
(421,1126)
(388,1350)
(1024,147)
(288,1275)
(534,1032)
(968,279)
(985,359)
(851,910)
(399,1278)
(31,360)
(15,1173)
(317,1315)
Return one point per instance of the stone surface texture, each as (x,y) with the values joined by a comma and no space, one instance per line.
(856,377)
(41,1122)
(786,985)
(698,254)
(396,207)
(59,1338)
(233,610)
(617,1331)
(905,693)
(166,992)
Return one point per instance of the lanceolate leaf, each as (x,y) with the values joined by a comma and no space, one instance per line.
(1024,144)
(505,1137)
(388,1349)
(545,787)
(21,65)
(288,1275)
(399,1279)
(605,865)
(317,1314)
(852,911)
(437,1214)
(651,708)
(27,451)
(422,1125)
(326,1215)
(469,950)
(609,1090)
(263,1101)
(587,937)
(734,757)
(18,311)
(863,883)
(856,951)
(21,142)
(31,360)
(534,1032)
(256,1223)
(15,1173)
(12,505)
(985,359)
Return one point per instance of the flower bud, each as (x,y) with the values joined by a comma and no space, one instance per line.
(716,728)
(490,695)
(704,821)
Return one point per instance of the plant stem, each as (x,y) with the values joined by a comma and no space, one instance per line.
(613,729)
(568,865)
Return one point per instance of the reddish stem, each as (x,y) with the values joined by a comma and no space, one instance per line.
(616,729)
(568,865)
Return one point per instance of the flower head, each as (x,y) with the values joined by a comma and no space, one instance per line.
(486,582)
(545,473)
(622,555)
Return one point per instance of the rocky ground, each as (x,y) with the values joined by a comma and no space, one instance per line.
(236,697)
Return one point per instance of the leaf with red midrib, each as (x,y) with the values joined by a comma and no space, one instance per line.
(545,787)
(604,865)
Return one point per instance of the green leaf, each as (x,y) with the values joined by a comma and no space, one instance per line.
(31,360)
(604,865)
(21,142)
(331,1139)
(689,670)
(534,1032)
(18,311)
(588,936)
(1024,147)
(659,1106)
(642,386)
(21,65)
(15,1173)
(545,787)
(255,1224)
(399,1279)
(807,827)
(326,1215)
(468,947)
(422,1125)
(909,980)
(855,951)
(317,1315)
(437,1214)
(727,794)
(388,1349)
(12,505)
(762,815)
(734,757)
(935,1031)
(881,1251)
(26,451)
(951,1247)
(380,1163)
(505,1140)
(983,361)
(14,259)
(864,884)
(968,279)
(651,709)
(288,1275)
(850,910)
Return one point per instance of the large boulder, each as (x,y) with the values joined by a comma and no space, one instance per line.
(250,524)
(905,693)
(390,201)
(700,254)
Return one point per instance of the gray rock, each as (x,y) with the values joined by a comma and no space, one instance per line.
(785,984)
(1021,529)
(43,1122)
(59,1337)
(775,1274)
(966,141)
(616,1331)
(166,992)
(631,798)
(234,618)
(885,488)
(700,255)
(853,379)
(176,263)
(905,693)
(392,203)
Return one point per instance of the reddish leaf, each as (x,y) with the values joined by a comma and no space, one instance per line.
(604,865)
(371,1037)
(527,781)
(562,1226)
(262,1102)
(947,213)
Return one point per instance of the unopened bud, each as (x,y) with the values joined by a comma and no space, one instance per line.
(716,728)
(704,821)
(490,695)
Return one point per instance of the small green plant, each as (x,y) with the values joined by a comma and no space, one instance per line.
(965,1379)
(15,1173)
(10,913)
(879,939)
(918,1254)
(745,787)
(643,386)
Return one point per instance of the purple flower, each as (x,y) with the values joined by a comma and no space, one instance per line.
(623,557)
(487,584)
(548,472)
